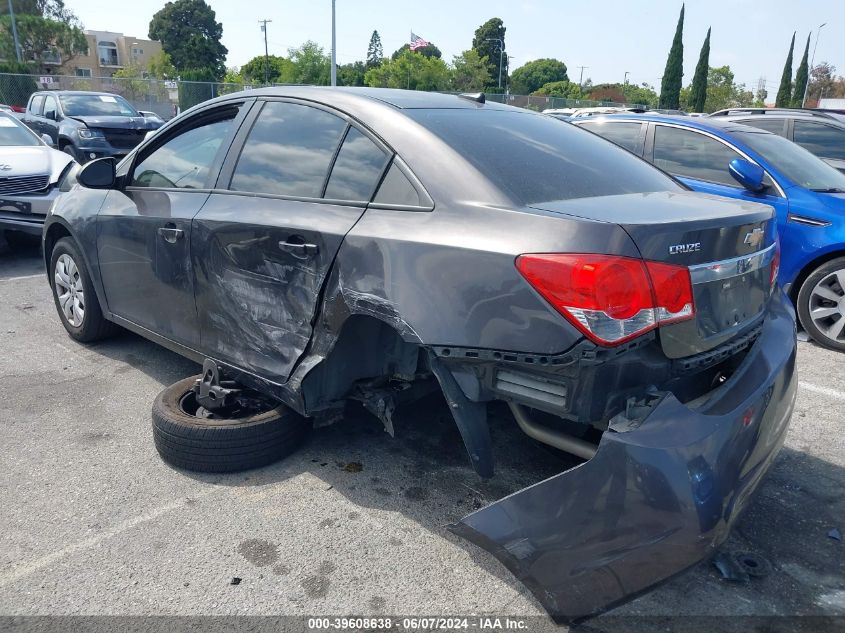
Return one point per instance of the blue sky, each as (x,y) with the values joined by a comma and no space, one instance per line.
(608,36)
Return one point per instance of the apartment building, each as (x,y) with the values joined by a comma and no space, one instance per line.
(108,52)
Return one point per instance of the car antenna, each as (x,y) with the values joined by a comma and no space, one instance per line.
(473,96)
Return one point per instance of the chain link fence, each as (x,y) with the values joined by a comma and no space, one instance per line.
(167,98)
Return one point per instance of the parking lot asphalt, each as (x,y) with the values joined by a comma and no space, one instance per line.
(93,522)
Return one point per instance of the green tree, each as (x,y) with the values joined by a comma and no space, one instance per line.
(723,93)
(412,71)
(565,89)
(429,50)
(644,94)
(489,42)
(190,33)
(785,89)
(16,87)
(469,72)
(375,52)
(45,27)
(534,75)
(311,65)
(196,85)
(673,75)
(824,83)
(280,70)
(351,74)
(698,92)
(801,78)
(160,66)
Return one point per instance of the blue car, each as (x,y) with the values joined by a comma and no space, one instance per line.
(746,163)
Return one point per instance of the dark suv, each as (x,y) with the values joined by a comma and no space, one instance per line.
(821,133)
(87,125)
(312,246)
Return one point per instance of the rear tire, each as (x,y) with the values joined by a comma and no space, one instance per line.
(221,445)
(74,295)
(821,304)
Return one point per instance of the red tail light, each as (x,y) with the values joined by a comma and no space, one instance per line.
(610,299)
(775,269)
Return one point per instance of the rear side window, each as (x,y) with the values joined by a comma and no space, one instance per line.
(37,104)
(534,158)
(693,155)
(357,169)
(625,135)
(775,126)
(288,151)
(397,189)
(819,139)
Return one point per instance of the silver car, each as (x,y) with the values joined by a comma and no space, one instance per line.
(30,176)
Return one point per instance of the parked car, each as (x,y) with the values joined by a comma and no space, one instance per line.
(30,175)
(315,245)
(821,133)
(747,163)
(581,113)
(151,116)
(87,125)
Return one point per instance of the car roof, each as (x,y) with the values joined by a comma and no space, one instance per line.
(705,124)
(783,113)
(74,92)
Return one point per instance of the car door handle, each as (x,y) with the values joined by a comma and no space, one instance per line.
(297,246)
(171,234)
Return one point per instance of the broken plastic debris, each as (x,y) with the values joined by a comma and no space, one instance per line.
(235,581)
(835,534)
(729,568)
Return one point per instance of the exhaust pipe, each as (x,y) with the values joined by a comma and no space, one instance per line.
(549,436)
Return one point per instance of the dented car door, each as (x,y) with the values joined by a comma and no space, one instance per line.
(298,179)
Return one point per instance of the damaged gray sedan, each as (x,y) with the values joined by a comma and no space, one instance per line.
(314,245)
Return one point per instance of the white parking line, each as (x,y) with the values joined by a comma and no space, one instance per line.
(24,277)
(832,393)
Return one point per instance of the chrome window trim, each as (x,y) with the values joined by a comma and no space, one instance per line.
(734,267)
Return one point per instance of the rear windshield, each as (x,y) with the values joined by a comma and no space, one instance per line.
(537,158)
(13,134)
(96,105)
(795,162)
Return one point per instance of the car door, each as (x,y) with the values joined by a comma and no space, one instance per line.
(50,119)
(144,226)
(824,140)
(701,161)
(33,113)
(297,180)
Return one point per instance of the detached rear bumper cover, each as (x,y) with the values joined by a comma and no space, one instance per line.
(655,499)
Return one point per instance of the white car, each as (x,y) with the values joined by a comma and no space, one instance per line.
(31,172)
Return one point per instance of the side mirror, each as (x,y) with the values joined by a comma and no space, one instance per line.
(50,115)
(747,174)
(46,138)
(98,174)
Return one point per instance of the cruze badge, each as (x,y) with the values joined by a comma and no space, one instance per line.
(753,238)
(677,249)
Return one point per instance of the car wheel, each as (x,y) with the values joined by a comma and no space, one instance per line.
(252,433)
(74,296)
(821,304)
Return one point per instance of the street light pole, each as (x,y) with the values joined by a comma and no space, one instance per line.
(501,53)
(15,32)
(266,51)
(812,65)
(334,49)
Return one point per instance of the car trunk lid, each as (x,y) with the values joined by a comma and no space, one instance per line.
(727,245)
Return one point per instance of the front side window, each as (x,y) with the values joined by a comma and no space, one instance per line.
(288,151)
(184,161)
(693,155)
(50,107)
(625,135)
(357,169)
(822,140)
(775,126)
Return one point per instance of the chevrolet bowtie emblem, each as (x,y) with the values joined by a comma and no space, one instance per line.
(753,238)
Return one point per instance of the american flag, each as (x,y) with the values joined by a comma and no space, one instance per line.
(417,42)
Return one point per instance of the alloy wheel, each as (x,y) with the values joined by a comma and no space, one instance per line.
(69,290)
(827,306)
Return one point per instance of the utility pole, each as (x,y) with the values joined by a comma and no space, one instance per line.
(334,49)
(625,84)
(581,80)
(263,24)
(812,64)
(15,32)
(501,52)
